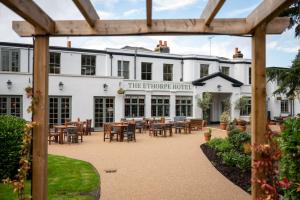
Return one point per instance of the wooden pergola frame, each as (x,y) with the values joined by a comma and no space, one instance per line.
(38,24)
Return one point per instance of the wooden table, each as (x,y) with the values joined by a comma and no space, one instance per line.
(120,128)
(61,129)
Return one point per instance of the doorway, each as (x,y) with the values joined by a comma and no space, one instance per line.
(104,110)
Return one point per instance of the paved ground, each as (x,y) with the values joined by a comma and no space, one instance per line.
(172,168)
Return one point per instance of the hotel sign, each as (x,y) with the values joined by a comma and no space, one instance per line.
(159,86)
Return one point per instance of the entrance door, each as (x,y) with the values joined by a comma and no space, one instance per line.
(103,110)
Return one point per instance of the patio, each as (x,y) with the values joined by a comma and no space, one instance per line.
(154,167)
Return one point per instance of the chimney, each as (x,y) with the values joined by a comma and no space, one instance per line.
(69,44)
(237,53)
(162,47)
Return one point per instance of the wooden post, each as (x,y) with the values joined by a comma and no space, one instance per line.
(258,111)
(40,115)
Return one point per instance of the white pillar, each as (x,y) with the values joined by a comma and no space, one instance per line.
(172,105)
(148,104)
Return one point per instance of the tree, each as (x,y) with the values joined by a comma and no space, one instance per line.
(205,103)
(288,79)
(293,13)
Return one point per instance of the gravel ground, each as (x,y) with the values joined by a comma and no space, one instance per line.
(154,168)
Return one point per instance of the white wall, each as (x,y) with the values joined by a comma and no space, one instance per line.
(83,89)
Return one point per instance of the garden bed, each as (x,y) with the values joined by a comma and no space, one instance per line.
(239,177)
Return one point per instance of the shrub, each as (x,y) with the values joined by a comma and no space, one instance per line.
(233,158)
(11,133)
(221,145)
(289,144)
(234,131)
(237,140)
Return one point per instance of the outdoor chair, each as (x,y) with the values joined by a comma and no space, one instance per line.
(80,131)
(88,127)
(109,133)
(156,129)
(72,135)
(140,125)
(130,132)
(196,124)
(53,135)
(179,123)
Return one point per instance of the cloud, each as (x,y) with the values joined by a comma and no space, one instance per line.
(240,12)
(283,47)
(162,5)
(132,12)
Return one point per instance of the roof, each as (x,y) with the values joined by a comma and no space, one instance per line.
(128,52)
(136,48)
(201,81)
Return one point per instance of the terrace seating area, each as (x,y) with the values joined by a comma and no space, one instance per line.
(127,128)
(70,131)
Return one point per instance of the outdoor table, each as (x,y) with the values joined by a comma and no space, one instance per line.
(61,129)
(120,128)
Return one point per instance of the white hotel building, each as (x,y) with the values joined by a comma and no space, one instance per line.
(84,83)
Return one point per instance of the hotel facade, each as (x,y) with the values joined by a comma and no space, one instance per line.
(131,82)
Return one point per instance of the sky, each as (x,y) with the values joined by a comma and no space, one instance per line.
(281,49)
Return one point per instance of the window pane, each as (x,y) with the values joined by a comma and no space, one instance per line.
(184,106)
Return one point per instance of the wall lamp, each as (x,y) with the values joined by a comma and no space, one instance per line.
(9,84)
(219,87)
(105,87)
(61,85)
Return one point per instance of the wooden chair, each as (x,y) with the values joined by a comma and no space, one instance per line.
(109,133)
(80,131)
(157,129)
(53,135)
(88,127)
(196,124)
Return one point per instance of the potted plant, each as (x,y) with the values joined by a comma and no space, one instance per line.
(241,124)
(121,91)
(207,135)
(224,119)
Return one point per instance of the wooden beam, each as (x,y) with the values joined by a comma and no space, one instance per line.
(265,12)
(159,27)
(88,11)
(258,100)
(32,13)
(211,10)
(149,12)
(40,115)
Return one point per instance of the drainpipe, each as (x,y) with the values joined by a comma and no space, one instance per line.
(111,64)
(28,62)
(181,79)
(135,52)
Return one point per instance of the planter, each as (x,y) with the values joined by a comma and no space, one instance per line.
(207,137)
(241,127)
(223,125)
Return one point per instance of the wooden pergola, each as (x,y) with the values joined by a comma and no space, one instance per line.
(39,25)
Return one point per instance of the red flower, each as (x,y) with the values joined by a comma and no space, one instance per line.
(284,183)
(298,187)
